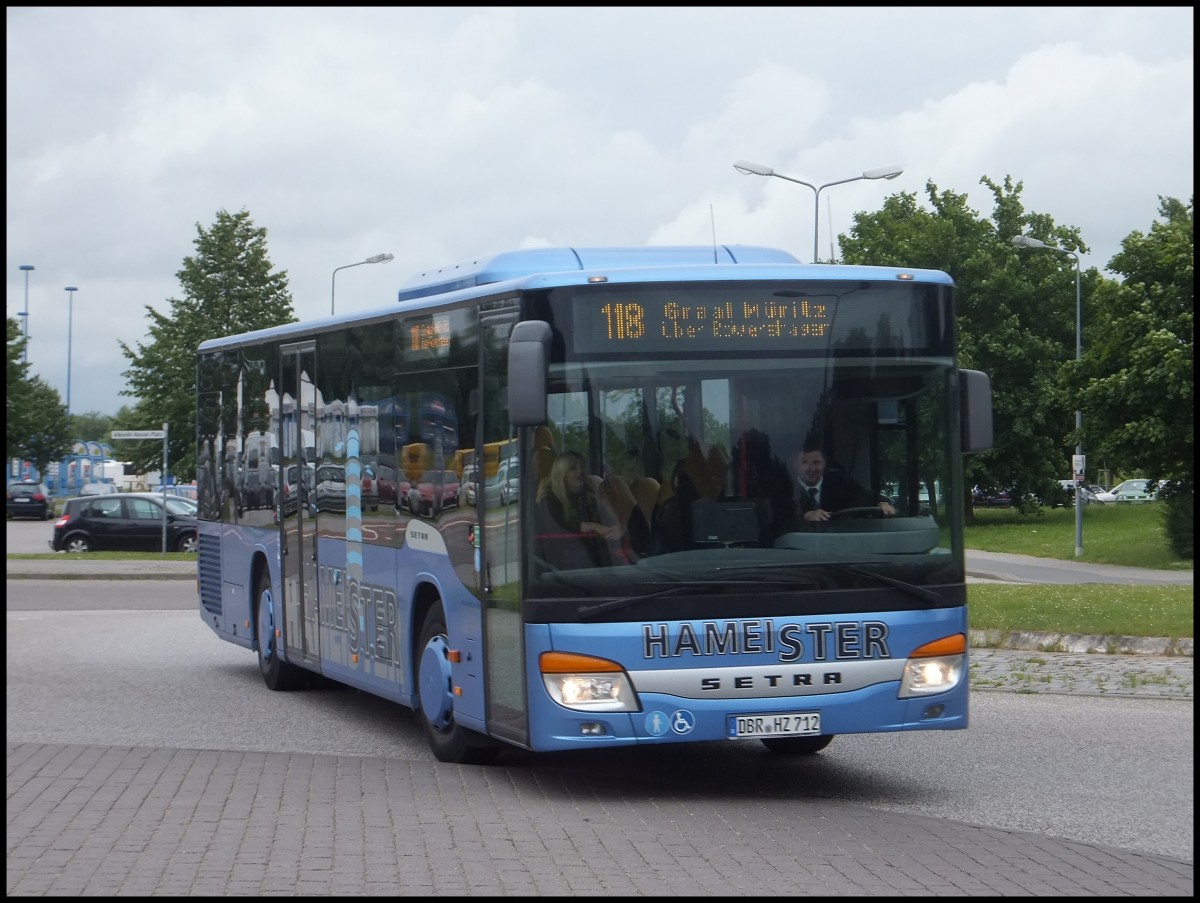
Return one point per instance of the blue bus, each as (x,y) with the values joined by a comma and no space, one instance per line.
(655,580)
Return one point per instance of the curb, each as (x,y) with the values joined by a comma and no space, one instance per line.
(1033,641)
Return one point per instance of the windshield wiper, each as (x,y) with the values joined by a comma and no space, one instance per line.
(911,588)
(613,604)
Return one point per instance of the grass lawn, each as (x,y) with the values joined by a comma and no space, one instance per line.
(1130,535)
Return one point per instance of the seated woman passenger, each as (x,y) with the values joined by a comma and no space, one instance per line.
(571,528)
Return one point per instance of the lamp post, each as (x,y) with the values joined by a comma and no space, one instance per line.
(746,168)
(1077,466)
(25,268)
(375,258)
(70,290)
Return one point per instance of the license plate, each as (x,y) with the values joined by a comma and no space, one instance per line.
(782,724)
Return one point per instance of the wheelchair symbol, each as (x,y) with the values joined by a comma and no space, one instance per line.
(683,721)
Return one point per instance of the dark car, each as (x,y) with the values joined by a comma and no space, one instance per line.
(29,499)
(128,522)
(993,498)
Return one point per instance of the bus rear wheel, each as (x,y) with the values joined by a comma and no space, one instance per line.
(797,746)
(277,674)
(449,741)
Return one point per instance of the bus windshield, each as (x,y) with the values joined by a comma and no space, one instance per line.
(693,454)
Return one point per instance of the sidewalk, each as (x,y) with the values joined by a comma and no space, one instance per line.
(81,567)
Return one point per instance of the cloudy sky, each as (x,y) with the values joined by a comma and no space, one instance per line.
(438,135)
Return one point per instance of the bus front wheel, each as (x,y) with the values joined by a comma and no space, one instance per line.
(277,674)
(450,741)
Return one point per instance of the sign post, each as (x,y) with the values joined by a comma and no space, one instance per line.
(153,434)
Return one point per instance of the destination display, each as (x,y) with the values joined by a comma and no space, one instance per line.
(654,319)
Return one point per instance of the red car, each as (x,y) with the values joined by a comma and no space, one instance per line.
(437,489)
(387,485)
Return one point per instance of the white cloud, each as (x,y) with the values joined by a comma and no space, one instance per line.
(440,134)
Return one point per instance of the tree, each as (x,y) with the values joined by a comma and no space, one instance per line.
(228,287)
(37,418)
(1136,382)
(91,425)
(16,403)
(46,437)
(1016,317)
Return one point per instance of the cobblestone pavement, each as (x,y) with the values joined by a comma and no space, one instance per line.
(1090,674)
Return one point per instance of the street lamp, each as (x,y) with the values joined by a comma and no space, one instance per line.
(375,258)
(25,268)
(746,168)
(1077,468)
(70,290)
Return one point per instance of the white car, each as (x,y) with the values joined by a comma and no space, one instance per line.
(1133,491)
(1091,495)
(98,489)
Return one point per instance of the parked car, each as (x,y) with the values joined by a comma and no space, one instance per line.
(98,489)
(368,487)
(1134,491)
(256,493)
(437,489)
(294,490)
(469,488)
(126,522)
(504,488)
(387,484)
(331,487)
(1000,498)
(1091,495)
(30,499)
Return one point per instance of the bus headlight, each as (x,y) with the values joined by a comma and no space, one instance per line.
(586,683)
(935,667)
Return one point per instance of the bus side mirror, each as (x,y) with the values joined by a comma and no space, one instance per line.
(528,354)
(975,393)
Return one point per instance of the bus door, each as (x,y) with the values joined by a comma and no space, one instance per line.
(297,508)
(499,562)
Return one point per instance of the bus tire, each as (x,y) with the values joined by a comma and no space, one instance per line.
(449,741)
(797,746)
(277,674)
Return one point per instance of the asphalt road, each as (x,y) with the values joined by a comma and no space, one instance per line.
(146,758)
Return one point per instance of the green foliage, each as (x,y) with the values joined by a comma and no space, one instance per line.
(36,428)
(1180,525)
(15,404)
(45,435)
(1017,322)
(228,287)
(90,425)
(1136,384)
(1137,380)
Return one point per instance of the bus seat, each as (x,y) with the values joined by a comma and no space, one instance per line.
(543,437)
(619,496)
(645,493)
(543,460)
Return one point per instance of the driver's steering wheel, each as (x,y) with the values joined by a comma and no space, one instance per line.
(865,512)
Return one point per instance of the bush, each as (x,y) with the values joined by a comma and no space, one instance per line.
(1178,522)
